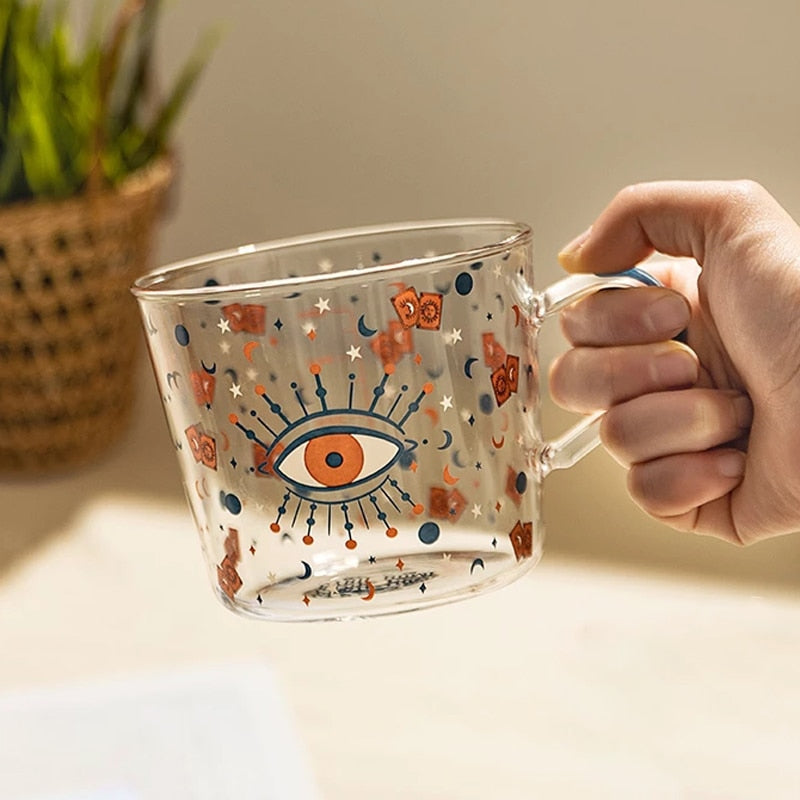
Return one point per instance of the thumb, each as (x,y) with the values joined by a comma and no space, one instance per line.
(676,218)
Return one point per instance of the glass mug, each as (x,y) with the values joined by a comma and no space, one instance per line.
(356,413)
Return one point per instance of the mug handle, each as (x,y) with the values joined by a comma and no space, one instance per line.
(584,436)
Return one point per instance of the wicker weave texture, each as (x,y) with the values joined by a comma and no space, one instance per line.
(69,329)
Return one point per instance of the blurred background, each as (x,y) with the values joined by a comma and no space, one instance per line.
(315,115)
(318,115)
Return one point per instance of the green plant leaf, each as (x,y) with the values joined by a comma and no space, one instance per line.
(161,127)
(59,107)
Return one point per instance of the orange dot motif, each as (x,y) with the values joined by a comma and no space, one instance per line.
(334,459)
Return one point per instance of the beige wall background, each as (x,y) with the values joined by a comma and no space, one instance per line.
(319,114)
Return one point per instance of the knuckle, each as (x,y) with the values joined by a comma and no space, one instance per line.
(570,320)
(613,378)
(615,436)
(558,380)
(740,196)
(746,191)
(567,388)
(648,490)
(631,192)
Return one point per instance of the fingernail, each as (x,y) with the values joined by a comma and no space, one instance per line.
(568,256)
(674,367)
(731,464)
(667,316)
(743,409)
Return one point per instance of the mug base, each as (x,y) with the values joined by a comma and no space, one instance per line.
(380,587)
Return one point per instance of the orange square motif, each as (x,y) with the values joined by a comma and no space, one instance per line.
(228,578)
(493,353)
(512,372)
(522,540)
(202,387)
(511,485)
(430,311)
(406,304)
(438,502)
(500,385)
(402,339)
(250,318)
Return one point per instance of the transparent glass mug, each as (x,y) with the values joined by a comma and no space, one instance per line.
(356,414)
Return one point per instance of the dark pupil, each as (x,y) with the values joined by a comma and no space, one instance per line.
(334,459)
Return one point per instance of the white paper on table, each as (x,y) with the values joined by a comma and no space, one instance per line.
(203,734)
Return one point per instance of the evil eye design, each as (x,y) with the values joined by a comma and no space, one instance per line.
(335,456)
(339,457)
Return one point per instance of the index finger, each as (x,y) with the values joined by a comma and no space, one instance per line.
(677,218)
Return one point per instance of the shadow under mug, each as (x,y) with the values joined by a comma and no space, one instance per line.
(356,413)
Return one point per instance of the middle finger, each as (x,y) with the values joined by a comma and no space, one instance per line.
(585,379)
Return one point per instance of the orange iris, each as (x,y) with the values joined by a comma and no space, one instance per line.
(334,459)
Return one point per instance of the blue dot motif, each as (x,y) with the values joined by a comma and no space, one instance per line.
(464,283)
(181,335)
(428,532)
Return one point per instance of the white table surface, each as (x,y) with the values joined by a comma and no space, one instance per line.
(575,682)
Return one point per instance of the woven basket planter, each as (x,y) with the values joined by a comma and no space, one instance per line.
(69,329)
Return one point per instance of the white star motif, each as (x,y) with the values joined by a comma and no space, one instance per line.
(498,270)
(446,402)
(225,347)
(323,304)
(326,265)
(446,556)
(476,510)
(271,577)
(224,325)
(454,336)
(251,374)
(354,353)
(236,390)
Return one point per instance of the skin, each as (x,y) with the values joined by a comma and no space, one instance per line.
(709,431)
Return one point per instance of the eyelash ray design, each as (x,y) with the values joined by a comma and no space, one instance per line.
(334,457)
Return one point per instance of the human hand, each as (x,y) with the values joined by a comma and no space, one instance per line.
(709,432)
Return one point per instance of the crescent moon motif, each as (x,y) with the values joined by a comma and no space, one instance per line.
(210,370)
(370,590)
(468,366)
(448,440)
(515,309)
(432,414)
(248,350)
(306,571)
(478,562)
(499,444)
(448,478)
(231,372)
(227,442)
(172,378)
(435,372)
(456,459)
(364,329)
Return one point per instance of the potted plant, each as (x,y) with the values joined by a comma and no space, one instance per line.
(84,168)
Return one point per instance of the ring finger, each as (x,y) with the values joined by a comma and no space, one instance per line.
(667,423)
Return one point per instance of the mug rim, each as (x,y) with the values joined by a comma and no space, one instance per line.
(154,285)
